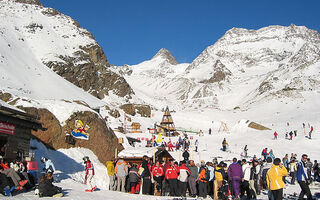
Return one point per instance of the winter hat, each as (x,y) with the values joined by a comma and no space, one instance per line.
(269,160)
(203,163)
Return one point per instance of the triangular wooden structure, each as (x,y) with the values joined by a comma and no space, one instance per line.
(167,123)
(223,128)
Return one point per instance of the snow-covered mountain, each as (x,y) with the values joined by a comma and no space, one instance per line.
(36,41)
(241,68)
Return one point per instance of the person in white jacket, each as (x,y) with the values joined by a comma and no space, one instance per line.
(246,168)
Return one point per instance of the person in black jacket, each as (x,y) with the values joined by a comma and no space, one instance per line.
(46,188)
(146,175)
(186,155)
(6,186)
(134,178)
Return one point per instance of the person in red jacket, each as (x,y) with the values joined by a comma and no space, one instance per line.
(89,170)
(170,146)
(157,173)
(171,175)
(275,135)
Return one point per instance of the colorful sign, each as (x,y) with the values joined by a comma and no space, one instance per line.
(80,131)
(7,128)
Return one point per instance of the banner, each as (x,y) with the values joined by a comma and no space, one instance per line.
(7,128)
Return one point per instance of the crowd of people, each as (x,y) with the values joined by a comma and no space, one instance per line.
(20,176)
(241,178)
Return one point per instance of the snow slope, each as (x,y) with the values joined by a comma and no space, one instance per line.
(21,54)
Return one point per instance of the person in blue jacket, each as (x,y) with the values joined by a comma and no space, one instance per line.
(303,179)
(48,165)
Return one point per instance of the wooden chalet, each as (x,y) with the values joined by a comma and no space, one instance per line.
(15,132)
(135,155)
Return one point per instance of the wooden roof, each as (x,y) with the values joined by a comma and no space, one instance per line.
(17,117)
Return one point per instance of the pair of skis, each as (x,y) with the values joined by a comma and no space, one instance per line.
(92,189)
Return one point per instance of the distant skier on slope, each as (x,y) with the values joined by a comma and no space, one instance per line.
(224,144)
(311,130)
(245,151)
(275,135)
(89,176)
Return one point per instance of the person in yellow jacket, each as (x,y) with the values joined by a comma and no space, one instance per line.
(293,170)
(275,179)
(111,173)
(218,179)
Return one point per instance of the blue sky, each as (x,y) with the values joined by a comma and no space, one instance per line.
(132,31)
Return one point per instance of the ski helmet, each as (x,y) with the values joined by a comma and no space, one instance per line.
(86,158)
(43,159)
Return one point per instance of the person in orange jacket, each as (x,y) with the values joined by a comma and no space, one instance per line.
(203,180)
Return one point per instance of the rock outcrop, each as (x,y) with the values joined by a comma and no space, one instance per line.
(102,141)
(133,109)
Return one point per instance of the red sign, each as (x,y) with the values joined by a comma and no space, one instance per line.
(7,128)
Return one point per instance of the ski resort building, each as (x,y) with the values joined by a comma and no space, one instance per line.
(134,155)
(15,131)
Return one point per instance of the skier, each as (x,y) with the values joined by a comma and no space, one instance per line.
(245,151)
(311,130)
(303,179)
(275,135)
(89,174)
(264,153)
(48,165)
(170,145)
(290,134)
(209,131)
(196,143)
(270,154)
(224,144)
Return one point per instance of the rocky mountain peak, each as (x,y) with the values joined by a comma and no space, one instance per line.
(166,54)
(33,2)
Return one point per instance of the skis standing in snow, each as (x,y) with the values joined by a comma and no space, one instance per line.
(89,176)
